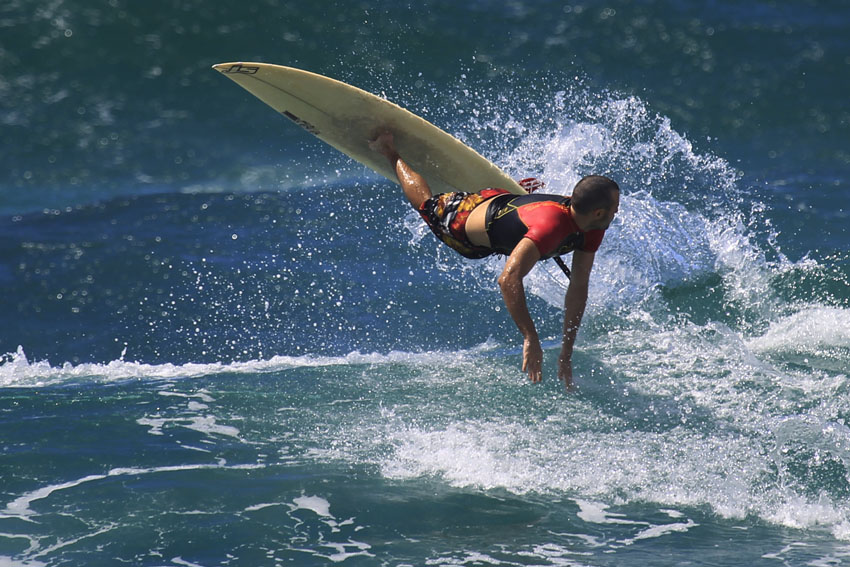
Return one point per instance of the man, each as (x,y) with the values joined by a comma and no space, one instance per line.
(526,228)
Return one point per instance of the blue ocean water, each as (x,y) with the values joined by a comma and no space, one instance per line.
(223,343)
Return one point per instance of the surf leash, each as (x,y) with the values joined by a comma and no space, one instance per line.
(562,265)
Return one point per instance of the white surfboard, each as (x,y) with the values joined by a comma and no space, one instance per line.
(347,118)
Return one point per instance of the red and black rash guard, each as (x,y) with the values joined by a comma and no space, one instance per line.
(545,219)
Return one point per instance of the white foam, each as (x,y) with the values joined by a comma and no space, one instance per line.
(316,504)
(12,562)
(673,468)
(815,330)
(21,506)
(660,531)
(597,513)
(257,507)
(200,395)
(189,418)
(17,371)
(322,508)
(180,561)
(73,541)
(544,459)
(343,553)
(208,424)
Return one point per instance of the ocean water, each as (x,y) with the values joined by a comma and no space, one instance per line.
(223,343)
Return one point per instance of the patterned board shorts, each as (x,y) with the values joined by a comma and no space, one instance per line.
(446,215)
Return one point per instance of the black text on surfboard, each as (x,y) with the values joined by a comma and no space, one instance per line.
(239,68)
(303,123)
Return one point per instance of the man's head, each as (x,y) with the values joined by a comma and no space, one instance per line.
(595,199)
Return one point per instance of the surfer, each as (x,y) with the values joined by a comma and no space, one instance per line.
(525,228)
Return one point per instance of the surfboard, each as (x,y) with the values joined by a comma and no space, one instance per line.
(347,118)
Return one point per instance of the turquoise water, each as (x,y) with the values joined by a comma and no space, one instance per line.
(223,348)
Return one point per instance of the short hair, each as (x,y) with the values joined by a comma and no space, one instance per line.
(593,192)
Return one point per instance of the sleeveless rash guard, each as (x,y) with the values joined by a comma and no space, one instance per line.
(545,219)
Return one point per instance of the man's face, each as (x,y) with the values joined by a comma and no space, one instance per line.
(607,216)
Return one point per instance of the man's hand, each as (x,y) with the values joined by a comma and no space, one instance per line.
(565,372)
(517,266)
(532,358)
(574,304)
(384,144)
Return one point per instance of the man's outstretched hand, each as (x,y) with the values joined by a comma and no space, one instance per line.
(565,372)
(532,358)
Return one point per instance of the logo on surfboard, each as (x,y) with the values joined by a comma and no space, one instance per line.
(240,68)
(301,122)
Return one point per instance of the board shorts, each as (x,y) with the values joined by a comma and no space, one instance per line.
(446,215)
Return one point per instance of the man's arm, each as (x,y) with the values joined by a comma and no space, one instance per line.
(574,304)
(517,266)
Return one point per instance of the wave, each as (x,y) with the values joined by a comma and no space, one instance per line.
(17,371)
(707,377)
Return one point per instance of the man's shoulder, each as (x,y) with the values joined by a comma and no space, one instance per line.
(554,211)
(592,240)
